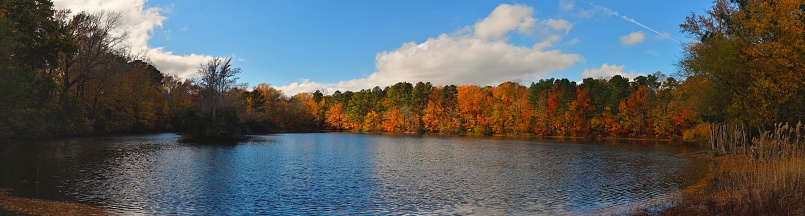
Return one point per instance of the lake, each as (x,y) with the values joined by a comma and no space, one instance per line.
(341,173)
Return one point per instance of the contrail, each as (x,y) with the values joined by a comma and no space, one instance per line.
(610,12)
(664,35)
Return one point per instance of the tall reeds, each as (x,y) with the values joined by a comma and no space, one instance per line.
(763,177)
(783,141)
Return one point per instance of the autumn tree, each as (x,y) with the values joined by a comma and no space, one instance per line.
(19,116)
(750,55)
(253,112)
(473,103)
(776,59)
(37,34)
(598,92)
(450,121)
(539,94)
(681,107)
(130,99)
(97,46)
(31,39)
(335,117)
(433,114)
(214,113)
(580,111)
(636,111)
(216,77)
(419,101)
(509,106)
(398,103)
(357,108)
(179,94)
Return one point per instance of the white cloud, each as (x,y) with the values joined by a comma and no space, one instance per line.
(558,24)
(504,19)
(633,38)
(653,53)
(184,66)
(596,10)
(574,41)
(660,35)
(139,22)
(304,85)
(547,42)
(566,5)
(469,56)
(607,71)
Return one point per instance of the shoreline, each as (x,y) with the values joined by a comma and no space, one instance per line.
(742,185)
(663,203)
(521,136)
(517,136)
(14,205)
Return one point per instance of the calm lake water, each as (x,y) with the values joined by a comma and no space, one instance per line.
(337,173)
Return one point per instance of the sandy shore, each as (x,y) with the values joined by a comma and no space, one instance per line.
(14,205)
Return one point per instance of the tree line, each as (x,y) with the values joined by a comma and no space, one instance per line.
(647,106)
(65,73)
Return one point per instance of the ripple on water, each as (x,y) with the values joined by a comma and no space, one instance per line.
(348,174)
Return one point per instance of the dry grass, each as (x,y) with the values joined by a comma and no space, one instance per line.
(26,206)
(766,179)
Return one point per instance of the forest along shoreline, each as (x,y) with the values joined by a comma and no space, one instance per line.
(85,85)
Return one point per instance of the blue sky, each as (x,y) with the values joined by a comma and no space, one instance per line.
(348,45)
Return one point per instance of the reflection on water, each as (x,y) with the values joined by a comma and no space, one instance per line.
(344,174)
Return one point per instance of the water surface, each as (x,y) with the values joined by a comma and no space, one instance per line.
(338,173)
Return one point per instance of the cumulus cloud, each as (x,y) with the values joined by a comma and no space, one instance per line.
(479,55)
(606,71)
(183,66)
(139,23)
(566,5)
(558,25)
(504,19)
(305,85)
(633,38)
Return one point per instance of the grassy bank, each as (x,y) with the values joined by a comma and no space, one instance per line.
(765,177)
(13,205)
(741,185)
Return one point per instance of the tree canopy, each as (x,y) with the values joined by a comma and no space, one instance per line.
(64,73)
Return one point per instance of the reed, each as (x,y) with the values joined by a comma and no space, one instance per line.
(763,177)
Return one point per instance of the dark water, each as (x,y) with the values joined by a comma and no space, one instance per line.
(344,174)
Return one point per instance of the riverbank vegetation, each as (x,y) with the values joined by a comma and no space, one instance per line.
(766,179)
(750,57)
